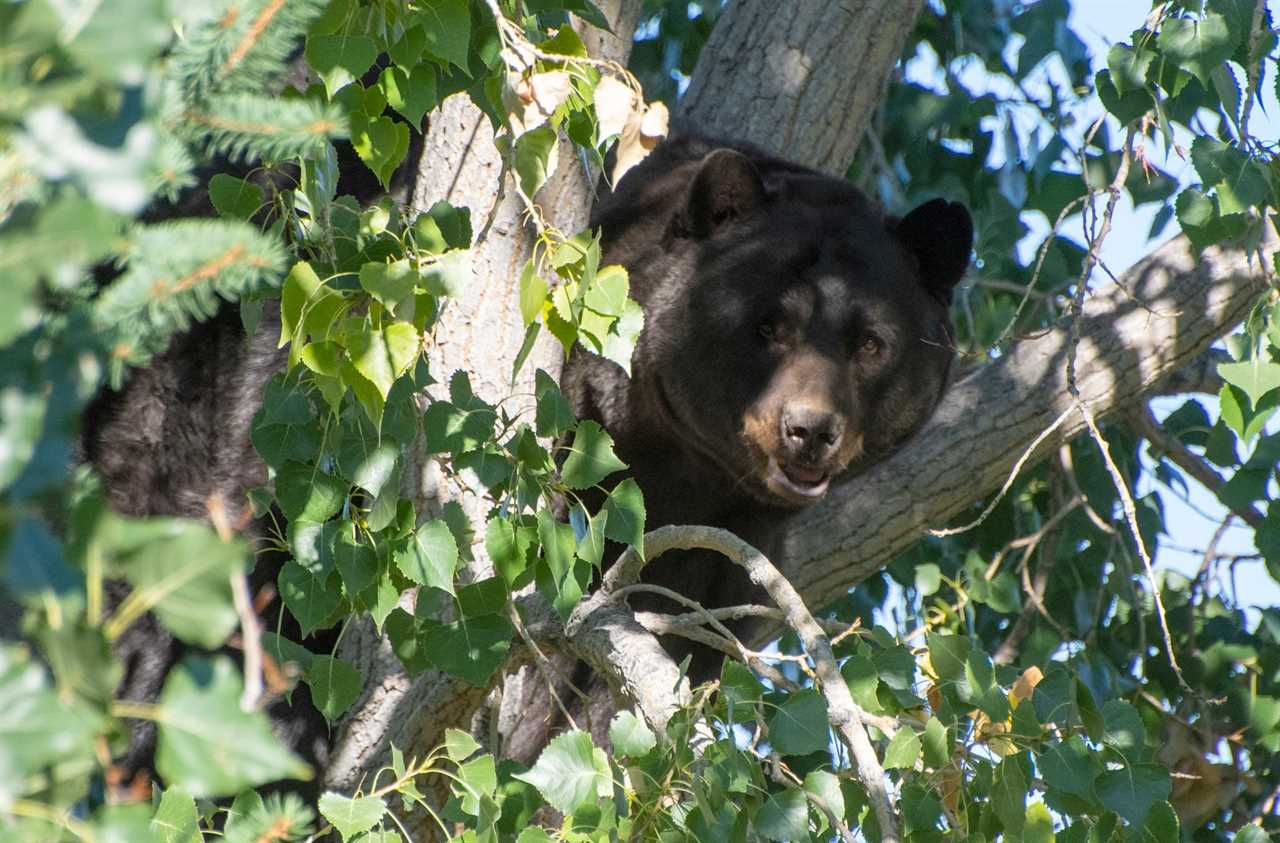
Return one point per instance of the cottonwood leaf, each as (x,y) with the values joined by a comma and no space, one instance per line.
(591,457)
(1132,790)
(198,711)
(799,725)
(570,772)
(306,493)
(309,598)
(234,198)
(335,685)
(430,557)
(784,815)
(625,514)
(630,736)
(352,816)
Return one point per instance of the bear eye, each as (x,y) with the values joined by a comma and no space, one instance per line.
(870,344)
(767,329)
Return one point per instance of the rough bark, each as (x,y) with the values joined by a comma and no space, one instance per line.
(799,79)
(1176,306)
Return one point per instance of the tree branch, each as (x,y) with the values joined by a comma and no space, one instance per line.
(1128,349)
(843,713)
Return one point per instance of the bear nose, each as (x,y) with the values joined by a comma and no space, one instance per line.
(810,433)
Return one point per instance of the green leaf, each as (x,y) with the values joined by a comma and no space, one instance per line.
(447,24)
(1009,795)
(620,343)
(570,772)
(1069,766)
(536,158)
(1124,731)
(193,601)
(430,557)
(533,293)
(799,725)
(784,815)
(335,685)
(285,427)
(478,782)
(459,745)
(591,457)
(826,787)
(308,597)
(176,820)
(553,416)
(39,728)
(389,283)
(1039,825)
(471,648)
(624,511)
(1132,790)
(412,94)
(1256,377)
(352,816)
(935,743)
(382,144)
(1198,46)
(308,494)
(1251,834)
(630,736)
(1125,108)
(860,674)
(903,750)
(608,292)
(234,198)
(339,59)
(1129,67)
(382,356)
(948,654)
(449,274)
(197,715)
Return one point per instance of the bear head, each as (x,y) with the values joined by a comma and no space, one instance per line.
(794,334)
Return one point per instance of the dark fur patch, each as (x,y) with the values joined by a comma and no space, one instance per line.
(794,336)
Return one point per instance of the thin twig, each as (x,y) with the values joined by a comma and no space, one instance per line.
(1131,517)
(1013,475)
(844,714)
(242,600)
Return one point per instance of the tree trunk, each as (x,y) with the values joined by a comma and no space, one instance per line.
(800,80)
(480,333)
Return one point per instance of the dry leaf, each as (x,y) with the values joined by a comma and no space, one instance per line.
(654,126)
(530,101)
(640,135)
(1025,686)
(614,103)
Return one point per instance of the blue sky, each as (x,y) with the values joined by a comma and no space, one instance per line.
(1101,24)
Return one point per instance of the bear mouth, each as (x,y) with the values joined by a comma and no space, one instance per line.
(797,483)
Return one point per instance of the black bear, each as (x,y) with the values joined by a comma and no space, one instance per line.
(794,335)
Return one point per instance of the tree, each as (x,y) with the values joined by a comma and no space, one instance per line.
(993,713)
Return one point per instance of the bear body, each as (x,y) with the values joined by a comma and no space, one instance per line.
(793,337)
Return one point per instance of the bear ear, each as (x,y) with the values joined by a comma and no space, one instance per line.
(940,234)
(727,187)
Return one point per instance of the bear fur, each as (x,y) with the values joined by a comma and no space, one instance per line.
(793,337)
